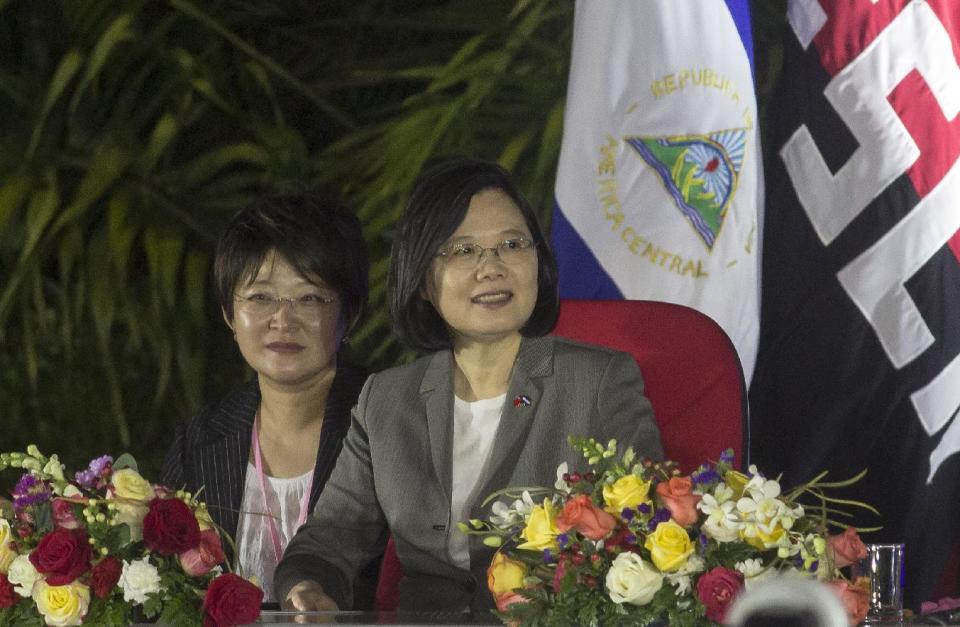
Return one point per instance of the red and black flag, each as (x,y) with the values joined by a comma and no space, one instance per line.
(859,353)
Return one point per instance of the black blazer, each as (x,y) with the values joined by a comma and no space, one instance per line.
(212,450)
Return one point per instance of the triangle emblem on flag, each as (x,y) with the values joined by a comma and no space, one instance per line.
(700,172)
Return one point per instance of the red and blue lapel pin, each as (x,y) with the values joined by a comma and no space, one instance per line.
(522,401)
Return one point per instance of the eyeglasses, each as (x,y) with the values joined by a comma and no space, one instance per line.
(469,254)
(265,305)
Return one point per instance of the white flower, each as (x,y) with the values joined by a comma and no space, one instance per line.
(507,516)
(694,564)
(23,575)
(682,584)
(132,516)
(632,580)
(562,469)
(723,523)
(138,579)
(753,571)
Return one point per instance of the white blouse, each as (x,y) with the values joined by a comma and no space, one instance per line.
(254,544)
(474,427)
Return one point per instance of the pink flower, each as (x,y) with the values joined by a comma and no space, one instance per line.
(846,548)
(64,516)
(558,575)
(678,497)
(946,603)
(716,589)
(506,600)
(854,597)
(581,514)
(205,556)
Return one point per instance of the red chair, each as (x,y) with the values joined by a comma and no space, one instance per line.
(692,376)
(691,371)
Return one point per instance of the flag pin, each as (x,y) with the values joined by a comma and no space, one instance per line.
(522,400)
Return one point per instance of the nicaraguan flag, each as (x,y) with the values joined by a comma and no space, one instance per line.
(659,183)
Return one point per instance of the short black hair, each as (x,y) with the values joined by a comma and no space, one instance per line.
(437,206)
(313,231)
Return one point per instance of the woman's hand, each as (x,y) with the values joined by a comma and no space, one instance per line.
(308,596)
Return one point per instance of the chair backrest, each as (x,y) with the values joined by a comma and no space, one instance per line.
(692,377)
(690,368)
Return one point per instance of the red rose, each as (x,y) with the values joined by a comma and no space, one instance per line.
(8,596)
(209,553)
(581,514)
(62,555)
(678,497)
(170,527)
(231,600)
(846,548)
(105,576)
(717,588)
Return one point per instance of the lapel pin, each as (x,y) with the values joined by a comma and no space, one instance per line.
(522,401)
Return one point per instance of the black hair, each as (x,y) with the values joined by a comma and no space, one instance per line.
(437,205)
(313,232)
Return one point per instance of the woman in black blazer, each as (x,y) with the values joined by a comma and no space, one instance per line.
(291,278)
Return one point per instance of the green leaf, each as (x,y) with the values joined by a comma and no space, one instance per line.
(69,66)
(126,460)
(116,33)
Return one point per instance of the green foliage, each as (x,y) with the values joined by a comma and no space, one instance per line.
(134,129)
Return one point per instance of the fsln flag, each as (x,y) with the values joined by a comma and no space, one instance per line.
(658,188)
(859,354)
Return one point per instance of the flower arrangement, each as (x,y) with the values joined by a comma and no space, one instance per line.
(636,542)
(107,547)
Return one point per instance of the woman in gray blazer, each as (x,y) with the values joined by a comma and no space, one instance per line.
(473,283)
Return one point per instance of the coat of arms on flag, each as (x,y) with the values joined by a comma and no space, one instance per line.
(699,172)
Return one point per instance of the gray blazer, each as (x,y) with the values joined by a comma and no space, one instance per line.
(394,473)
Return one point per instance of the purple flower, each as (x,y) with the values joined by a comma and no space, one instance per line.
(706,475)
(643,508)
(562,540)
(29,491)
(547,557)
(98,468)
(627,514)
(727,456)
(814,566)
(661,515)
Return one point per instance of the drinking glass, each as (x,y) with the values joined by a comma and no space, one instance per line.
(884,566)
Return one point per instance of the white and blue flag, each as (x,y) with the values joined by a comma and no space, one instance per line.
(659,185)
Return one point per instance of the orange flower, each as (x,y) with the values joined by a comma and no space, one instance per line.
(855,598)
(581,514)
(846,548)
(677,496)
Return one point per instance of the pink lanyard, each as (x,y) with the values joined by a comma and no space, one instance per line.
(271,523)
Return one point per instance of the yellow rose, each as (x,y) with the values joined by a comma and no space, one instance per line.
(7,554)
(628,491)
(737,481)
(669,546)
(504,574)
(128,484)
(541,530)
(62,605)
